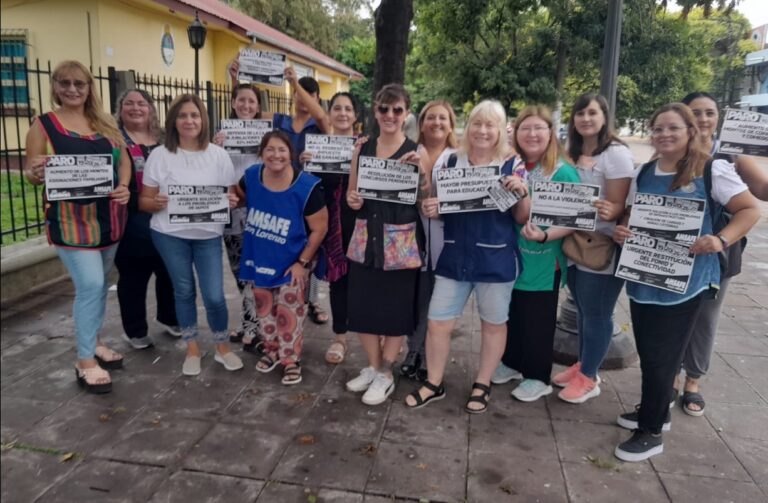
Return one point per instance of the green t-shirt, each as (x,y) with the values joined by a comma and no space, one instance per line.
(540,259)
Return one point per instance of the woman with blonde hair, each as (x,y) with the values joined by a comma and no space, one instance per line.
(480,254)
(533,307)
(86,231)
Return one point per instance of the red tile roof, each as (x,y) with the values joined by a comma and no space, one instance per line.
(241,23)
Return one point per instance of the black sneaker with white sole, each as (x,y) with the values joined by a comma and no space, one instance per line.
(641,446)
(629,420)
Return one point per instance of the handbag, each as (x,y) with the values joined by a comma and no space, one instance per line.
(589,249)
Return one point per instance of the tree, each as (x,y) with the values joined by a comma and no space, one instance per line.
(392,24)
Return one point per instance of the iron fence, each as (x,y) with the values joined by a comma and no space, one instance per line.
(26,94)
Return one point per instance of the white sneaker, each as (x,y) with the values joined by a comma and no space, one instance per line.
(230,360)
(504,374)
(379,390)
(139,342)
(363,381)
(531,390)
(174,330)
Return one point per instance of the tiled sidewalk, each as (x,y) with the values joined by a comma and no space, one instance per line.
(243,437)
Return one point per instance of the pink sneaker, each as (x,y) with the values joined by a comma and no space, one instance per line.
(562,379)
(580,389)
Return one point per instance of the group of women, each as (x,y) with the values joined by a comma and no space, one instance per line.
(395,270)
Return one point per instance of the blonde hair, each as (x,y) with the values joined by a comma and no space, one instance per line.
(554,151)
(489,110)
(100,121)
(696,156)
(450,141)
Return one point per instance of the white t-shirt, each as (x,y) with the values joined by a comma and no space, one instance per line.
(613,163)
(433,227)
(211,166)
(241,162)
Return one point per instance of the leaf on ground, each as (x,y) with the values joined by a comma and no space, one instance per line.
(421,466)
(103,418)
(507,488)
(311,498)
(369,450)
(118,410)
(69,456)
(307,439)
(302,397)
(6,446)
(603,463)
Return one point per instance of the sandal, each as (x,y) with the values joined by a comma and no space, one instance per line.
(107,358)
(89,379)
(236,336)
(292,374)
(438,393)
(675,394)
(266,363)
(316,314)
(481,399)
(693,398)
(336,352)
(254,347)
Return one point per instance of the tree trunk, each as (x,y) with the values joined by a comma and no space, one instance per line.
(392,24)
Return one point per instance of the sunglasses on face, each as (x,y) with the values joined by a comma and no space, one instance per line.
(384,110)
(66,84)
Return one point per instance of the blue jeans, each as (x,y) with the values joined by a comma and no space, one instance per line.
(88,269)
(180,255)
(595,296)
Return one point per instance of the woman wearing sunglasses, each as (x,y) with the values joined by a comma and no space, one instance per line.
(385,255)
(663,320)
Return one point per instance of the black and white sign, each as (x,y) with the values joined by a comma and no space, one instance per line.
(387,180)
(656,262)
(78,176)
(675,219)
(562,204)
(460,190)
(744,132)
(198,204)
(330,154)
(503,198)
(244,136)
(261,67)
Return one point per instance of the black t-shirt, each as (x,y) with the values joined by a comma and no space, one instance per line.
(315,202)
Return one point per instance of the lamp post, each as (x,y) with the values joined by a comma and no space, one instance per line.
(610,63)
(196,33)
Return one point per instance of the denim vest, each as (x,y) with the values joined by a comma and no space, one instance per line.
(480,246)
(274,235)
(706,268)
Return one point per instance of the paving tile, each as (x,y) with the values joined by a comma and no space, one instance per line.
(26,474)
(509,477)
(372,498)
(602,409)
(104,481)
(742,345)
(591,484)
(184,487)
(748,366)
(625,380)
(164,359)
(130,391)
(701,456)
(246,451)
(518,436)
(19,414)
(747,421)
(419,472)
(687,489)
(154,440)
(346,416)
(726,388)
(256,404)
(504,403)
(27,356)
(285,493)
(752,454)
(54,381)
(429,426)
(593,444)
(198,397)
(326,460)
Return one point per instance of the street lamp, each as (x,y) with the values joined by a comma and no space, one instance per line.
(196,33)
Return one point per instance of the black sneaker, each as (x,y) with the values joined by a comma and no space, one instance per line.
(641,446)
(255,347)
(410,364)
(629,420)
(421,375)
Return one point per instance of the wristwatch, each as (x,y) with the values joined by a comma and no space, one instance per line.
(723,240)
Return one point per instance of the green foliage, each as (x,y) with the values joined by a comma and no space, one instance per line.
(359,53)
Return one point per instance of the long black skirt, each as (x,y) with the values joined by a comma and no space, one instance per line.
(381,302)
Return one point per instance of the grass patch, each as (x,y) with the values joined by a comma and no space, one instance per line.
(16,196)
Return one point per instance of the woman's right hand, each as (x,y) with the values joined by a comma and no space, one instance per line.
(429,207)
(305,156)
(36,170)
(219,138)
(620,234)
(354,200)
(359,144)
(234,67)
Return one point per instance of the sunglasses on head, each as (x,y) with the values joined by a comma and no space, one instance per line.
(384,110)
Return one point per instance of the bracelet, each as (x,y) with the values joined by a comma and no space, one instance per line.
(546,237)
(304,262)
(723,240)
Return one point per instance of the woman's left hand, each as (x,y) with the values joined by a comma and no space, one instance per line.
(121,194)
(605,209)
(707,244)
(532,232)
(516,185)
(233,200)
(299,275)
(412,157)
(305,156)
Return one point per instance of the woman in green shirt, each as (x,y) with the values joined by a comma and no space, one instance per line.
(533,308)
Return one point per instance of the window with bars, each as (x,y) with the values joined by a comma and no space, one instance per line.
(13,72)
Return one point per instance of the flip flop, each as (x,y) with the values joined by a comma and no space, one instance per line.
(693,398)
(334,355)
(316,314)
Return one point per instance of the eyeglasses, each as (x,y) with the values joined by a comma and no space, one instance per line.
(534,129)
(66,84)
(384,110)
(659,130)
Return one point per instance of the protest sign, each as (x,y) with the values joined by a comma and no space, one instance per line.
(330,154)
(460,190)
(387,180)
(78,176)
(561,204)
(675,219)
(502,198)
(656,262)
(261,67)
(244,136)
(744,133)
(198,204)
